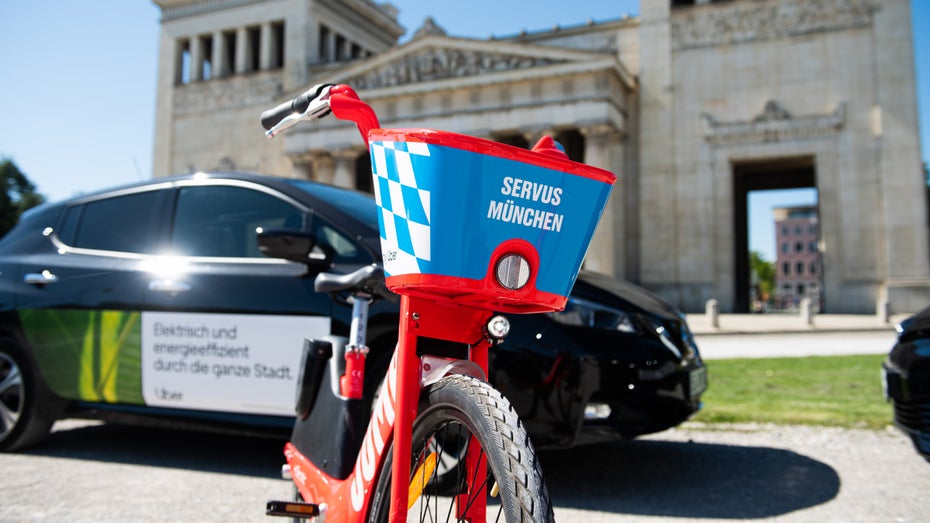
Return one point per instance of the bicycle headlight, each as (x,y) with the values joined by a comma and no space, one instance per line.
(498,327)
(583,313)
(512,271)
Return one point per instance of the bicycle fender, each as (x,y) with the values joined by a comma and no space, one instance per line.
(434,368)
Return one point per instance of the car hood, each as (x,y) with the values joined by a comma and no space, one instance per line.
(606,289)
(917,322)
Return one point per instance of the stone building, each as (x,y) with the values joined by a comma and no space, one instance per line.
(693,104)
(798,264)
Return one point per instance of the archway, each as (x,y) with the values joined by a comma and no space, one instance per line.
(760,175)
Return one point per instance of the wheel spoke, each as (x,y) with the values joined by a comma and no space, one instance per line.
(12,379)
(11,400)
(8,419)
(448,447)
(459,453)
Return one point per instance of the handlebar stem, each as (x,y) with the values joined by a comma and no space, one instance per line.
(346,105)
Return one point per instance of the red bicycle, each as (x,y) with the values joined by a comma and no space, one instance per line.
(469,228)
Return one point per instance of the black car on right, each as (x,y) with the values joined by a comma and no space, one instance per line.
(907,380)
(617,363)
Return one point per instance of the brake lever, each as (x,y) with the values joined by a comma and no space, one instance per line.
(316,109)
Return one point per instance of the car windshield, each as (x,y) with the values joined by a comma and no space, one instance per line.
(359,205)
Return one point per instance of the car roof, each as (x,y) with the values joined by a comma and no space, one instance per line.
(276,182)
(299,190)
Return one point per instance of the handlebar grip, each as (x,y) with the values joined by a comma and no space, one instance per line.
(271,117)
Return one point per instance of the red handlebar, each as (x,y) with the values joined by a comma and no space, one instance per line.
(346,105)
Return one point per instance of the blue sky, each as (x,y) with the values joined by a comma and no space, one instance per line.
(77,83)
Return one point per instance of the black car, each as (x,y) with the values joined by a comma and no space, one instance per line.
(153,302)
(907,380)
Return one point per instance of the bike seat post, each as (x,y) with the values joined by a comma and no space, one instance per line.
(352,383)
(358,328)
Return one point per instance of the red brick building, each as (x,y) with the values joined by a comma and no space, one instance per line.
(798,262)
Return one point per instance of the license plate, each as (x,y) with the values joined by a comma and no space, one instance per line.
(891,384)
(697,381)
(885,385)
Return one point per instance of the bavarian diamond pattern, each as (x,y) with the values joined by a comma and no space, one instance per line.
(404,217)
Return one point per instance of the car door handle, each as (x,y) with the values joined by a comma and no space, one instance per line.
(168,286)
(40,278)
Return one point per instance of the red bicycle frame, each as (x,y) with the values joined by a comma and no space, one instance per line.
(393,416)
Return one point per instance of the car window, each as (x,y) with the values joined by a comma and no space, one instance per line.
(344,249)
(121,223)
(30,226)
(220,221)
(358,205)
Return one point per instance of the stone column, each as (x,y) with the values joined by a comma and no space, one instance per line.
(178,64)
(331,46)
(170,73)
(309,42)
(603,147)
(346,51)
(322,167)
(264,56)
(196,65)
(903,234)
(301,43)
(658,181)
(344,173)
(303,167)
(242,48)
(217,64)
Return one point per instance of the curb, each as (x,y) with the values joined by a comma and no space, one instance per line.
(749,324)
(813,330)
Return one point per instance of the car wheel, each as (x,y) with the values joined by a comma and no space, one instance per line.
(27,409)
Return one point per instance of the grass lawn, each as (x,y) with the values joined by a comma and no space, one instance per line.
(843,391)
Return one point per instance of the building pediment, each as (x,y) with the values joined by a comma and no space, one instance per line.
(774,123)
(438,57)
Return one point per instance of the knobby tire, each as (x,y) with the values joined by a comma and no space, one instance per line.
(450,410)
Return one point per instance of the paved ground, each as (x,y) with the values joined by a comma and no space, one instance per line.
(721,474)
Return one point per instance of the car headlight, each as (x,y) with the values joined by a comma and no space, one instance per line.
(579,312)
(691,351)
(664,336)
(583,313)
(903,326)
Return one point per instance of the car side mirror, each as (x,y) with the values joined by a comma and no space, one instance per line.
(294,246)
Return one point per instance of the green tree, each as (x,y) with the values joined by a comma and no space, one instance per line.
(763,275)
(18,195)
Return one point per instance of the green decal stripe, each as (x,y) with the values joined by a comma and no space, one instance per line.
(88,355)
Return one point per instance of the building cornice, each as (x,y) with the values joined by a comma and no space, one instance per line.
(559,31)
(737,22)
(171,9)
(431,59)
(383,17)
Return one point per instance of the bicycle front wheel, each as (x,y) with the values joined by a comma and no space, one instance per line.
(461,418)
